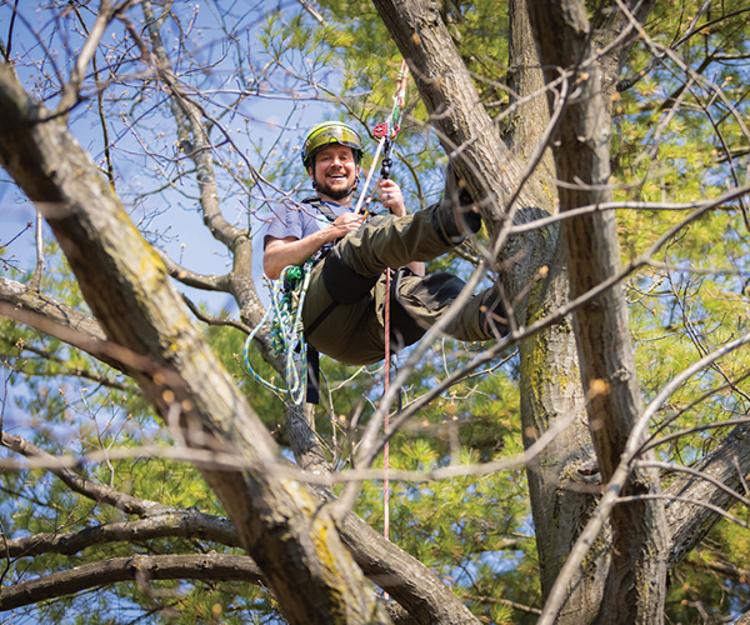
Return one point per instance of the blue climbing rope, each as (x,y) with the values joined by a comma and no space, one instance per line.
(286,330)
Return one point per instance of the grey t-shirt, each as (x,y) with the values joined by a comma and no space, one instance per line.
(300,220)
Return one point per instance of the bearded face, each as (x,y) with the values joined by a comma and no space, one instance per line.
(335,172)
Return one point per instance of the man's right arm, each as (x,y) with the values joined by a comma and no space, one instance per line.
(280,253)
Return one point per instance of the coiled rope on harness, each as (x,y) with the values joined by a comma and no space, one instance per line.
(284,315)
(284,318)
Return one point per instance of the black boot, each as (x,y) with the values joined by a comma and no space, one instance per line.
(454,216)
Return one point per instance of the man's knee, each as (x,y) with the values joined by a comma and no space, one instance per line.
(432,292)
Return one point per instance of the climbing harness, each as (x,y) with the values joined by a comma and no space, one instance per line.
(286,330)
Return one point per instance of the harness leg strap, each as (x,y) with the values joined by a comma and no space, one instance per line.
(344,285)
(312,391)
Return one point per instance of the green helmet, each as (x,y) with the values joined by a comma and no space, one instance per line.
(327,133)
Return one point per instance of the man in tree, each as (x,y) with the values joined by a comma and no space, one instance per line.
(343,310)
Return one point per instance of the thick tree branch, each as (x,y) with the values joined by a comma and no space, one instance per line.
(730,465)
(636,585)
(177,524)
(93,490)
(196,280)
(465,129)
(194,139)
(21,297)
(213,567)
(549,362)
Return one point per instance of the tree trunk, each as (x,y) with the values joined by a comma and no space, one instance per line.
(636,584)
(558,478)
(549,376)
(446,88)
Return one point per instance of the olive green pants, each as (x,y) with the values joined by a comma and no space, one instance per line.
(353,332)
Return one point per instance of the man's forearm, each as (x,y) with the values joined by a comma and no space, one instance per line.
(280,253)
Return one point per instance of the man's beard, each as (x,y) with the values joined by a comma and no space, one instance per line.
(335,195)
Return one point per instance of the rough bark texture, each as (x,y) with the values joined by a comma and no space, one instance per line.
(423,595)
(215,567)
(550,378)
(636,584)
(284,523)
(531,117)
(127,287)
(689,523)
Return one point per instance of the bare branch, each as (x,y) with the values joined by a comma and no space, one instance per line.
(215,321)
(129,291)
(308,6)
(214,567)
(183,524)
(614,487)
(9,46)
(719,202)
(72,87)
(93,490)
(190,278)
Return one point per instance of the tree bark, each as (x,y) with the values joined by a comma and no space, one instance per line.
(558,478)
(446,88)
(549,359)
(215,567)
(294,543)
(422,594)
(689,523)
(636,584)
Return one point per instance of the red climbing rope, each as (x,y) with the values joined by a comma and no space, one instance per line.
(382,131)
(386,133)
(386,419)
